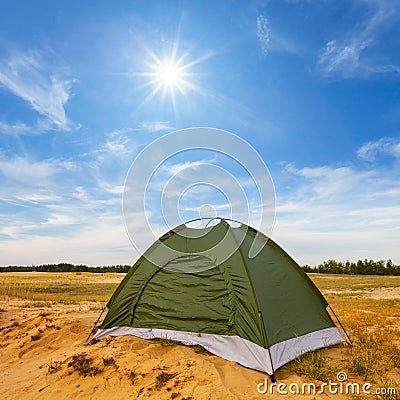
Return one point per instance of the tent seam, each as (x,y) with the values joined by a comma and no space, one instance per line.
(248,278)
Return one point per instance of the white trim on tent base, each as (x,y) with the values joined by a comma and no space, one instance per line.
(288,350)
(235,348)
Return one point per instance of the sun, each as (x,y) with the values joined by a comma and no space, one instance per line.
(170,75)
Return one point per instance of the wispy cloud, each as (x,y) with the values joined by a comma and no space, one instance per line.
(342,57)
(23,171)
(118,143)
(384,146)
(42,125)
(47,88)
(119,146)
(155,126)
(26,181)
(16,129)
(263,33)
(345,56)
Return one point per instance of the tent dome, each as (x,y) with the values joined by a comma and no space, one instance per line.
(209,287)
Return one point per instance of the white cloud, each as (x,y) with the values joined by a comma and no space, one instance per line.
(35,185)
(60,220)
(328,180)
(113,189)
(23,171)
(156,126)
(119,144)
(55,210)
(342,212)
(98,242)
(384,146)
(344,56)
(263,33)
(45,87)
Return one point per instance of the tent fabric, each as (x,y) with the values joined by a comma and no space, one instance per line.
(202,286)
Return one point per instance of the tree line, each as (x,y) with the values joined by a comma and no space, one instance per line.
(66,267)
(361,267)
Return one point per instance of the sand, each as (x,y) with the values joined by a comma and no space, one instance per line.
(43,357)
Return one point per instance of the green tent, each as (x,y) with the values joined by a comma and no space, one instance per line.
(229,289)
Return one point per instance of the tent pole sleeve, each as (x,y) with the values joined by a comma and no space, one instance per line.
(344,330)
(95,324)
(273,378)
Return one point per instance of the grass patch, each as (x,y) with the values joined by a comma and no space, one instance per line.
(361,363)
(312,364)
(354,282)
(67,288)
(37,304)
(165,342)
(372,323)
(169,342)
(200,350)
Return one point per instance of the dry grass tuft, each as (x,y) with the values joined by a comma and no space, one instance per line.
(132,376)
(109,361)
(163,378)
(84,365)
(54,366)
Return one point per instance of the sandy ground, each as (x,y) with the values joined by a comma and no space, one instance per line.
(43,357)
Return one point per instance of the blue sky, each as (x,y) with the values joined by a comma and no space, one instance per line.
(312,86)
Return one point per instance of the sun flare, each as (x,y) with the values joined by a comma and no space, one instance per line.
(170,75)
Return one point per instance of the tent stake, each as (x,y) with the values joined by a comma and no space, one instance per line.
(273,378)
(344,330)
(95,324)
